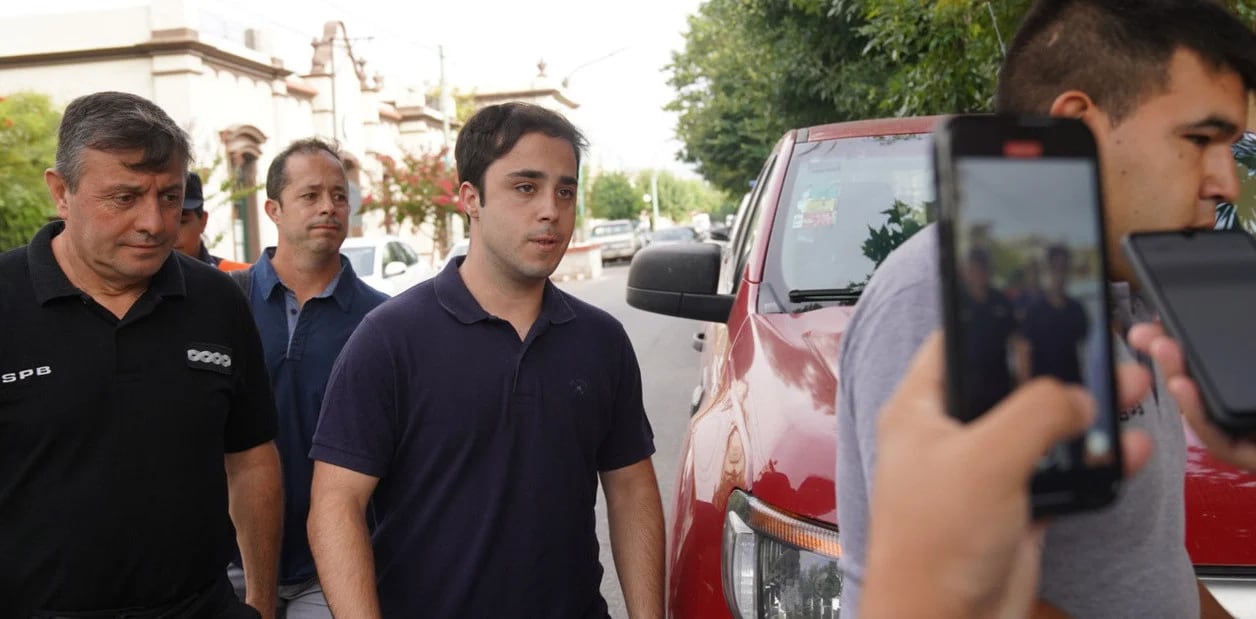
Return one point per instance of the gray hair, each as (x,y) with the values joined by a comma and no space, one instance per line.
(118,121)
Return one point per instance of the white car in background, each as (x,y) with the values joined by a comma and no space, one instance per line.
(459,248)
(386,263)
(618,239)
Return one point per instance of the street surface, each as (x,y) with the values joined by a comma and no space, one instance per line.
(669,372)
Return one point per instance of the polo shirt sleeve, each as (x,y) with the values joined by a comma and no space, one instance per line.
(356,427)
(630,439)
(252,420)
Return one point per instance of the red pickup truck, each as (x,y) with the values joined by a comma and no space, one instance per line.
(754,520)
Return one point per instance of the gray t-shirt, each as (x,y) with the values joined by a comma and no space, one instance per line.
(1128,560)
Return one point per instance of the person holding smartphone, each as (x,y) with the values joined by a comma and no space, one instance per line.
(977,553)
(1163,87)
(1151,339)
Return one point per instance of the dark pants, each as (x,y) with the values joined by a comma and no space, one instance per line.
(217,601)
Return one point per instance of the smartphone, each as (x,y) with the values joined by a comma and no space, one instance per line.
(1024,285)
(1203,283)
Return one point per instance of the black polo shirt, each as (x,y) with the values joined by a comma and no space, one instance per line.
(113,432)
(989,325)
(487,448)
(1055,335)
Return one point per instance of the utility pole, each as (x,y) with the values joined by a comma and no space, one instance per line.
(445,110)
(654,197)
(581,179)
(335,118)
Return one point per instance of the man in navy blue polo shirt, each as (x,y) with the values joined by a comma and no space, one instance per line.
(477,410)
(139,414)
(306,300)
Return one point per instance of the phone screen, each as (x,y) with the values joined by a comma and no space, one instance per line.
(1029,281)
(1207,281)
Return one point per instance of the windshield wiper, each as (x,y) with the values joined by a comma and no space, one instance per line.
(845,295)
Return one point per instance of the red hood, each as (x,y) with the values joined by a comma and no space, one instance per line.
(791,453)
(1220,509)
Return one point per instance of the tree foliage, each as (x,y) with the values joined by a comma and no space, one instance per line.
(680,197)
(28,146)
(417,189)
(751,69)
(463,102)
(902,221)
(943,56)
(613,196)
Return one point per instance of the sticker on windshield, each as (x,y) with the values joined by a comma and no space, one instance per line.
(815,208)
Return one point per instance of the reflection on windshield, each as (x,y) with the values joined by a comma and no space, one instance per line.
(846,204)
(362,259)
(1241,214)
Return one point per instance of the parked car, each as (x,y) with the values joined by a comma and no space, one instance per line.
(386,263)
(459,248)
(675,234)
(755,531)
(617,237)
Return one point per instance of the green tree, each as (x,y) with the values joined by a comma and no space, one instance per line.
(751,69)
(417,189)
(680,197)
(28,146)
(944,56)
(902,222)
(613,196)
(463,101)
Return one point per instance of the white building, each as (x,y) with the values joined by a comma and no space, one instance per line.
(239,104)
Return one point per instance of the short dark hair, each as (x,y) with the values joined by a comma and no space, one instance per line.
(277,173)
(979,256)
(1059,252)
(493,131)
(118,121)
(1115,51)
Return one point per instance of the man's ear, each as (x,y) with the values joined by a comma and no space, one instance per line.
(59,190)
(469,196)
(1079,105)
(272,209)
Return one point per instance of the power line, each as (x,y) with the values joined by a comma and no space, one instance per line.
(395,34)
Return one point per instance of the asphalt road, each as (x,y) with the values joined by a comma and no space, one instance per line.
(669,372)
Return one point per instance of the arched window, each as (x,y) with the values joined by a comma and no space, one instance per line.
(244,147)
(354,173)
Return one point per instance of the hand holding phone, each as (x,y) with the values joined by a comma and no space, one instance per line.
(1025,285)
(1203,283)
(1152,340)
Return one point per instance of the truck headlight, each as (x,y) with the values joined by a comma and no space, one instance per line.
(778,566)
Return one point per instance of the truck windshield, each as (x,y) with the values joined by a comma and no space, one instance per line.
(845,205)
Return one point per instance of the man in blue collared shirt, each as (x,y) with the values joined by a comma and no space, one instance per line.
(306,300)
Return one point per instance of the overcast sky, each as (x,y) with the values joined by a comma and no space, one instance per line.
(1051,198)
(492,44)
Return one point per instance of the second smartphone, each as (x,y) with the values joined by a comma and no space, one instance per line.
(1025,285)
(1204,285)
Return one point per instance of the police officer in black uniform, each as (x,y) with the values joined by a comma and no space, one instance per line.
(134,401)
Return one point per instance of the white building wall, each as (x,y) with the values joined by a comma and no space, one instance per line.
(67,81)
(76,30)
(207,96)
